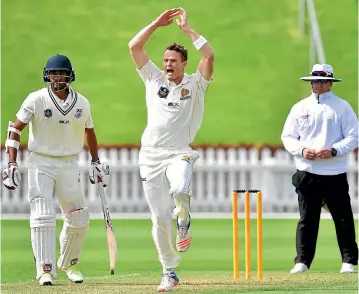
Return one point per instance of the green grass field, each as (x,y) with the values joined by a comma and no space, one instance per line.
(260,56)
(206,267)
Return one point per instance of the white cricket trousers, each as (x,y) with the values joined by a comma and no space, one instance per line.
(49,176)
(166,174)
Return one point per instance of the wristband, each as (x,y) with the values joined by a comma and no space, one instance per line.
(200,42)
(334,152)
(95,161)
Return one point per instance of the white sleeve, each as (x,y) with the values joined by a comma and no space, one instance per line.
(27,110)
(149,72)
(349,131)
(290,135)
(203,83)
(89,122)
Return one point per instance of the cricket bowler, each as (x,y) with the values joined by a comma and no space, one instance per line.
(175,105)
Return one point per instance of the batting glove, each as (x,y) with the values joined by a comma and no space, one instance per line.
(99,172)
(11,176)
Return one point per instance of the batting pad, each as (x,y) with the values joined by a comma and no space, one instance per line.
(72,236)
(43,235)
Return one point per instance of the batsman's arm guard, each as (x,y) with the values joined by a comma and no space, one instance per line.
(10,142)
(11,176)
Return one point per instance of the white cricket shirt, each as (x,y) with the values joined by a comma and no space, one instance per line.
(321,123)
(174,112)
(54,129)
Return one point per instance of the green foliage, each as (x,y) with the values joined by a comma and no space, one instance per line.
(260,55)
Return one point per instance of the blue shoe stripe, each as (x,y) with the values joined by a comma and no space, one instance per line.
(174,276)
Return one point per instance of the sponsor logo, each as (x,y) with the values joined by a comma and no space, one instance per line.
(74,261)
(187,158)
(173,104)
(65,122)
(4,175)
(306,116)
(47,267)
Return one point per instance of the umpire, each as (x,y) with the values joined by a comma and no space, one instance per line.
(319,132)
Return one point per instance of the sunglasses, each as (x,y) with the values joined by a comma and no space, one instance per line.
(320,81)
(321,74)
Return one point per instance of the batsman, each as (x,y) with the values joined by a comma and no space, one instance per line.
(59,119)
(175,105)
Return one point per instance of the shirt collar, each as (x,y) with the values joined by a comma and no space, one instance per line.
(68,99)
(323,96)
(184,81)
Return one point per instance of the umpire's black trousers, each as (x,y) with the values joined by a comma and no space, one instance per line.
(334,190)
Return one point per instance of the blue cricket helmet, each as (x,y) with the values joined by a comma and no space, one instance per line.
(59,62)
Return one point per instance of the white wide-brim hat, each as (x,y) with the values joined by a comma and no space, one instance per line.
(321,72)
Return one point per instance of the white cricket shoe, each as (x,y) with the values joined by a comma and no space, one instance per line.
(46,279)
(169,281)
(183,239)
(347,268)
(74,274)
(299,268)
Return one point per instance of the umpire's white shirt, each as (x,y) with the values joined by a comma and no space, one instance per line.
(320,123)
(175,112)
(55,129)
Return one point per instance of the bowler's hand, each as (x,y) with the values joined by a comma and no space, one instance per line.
(325,153)
(182,22)
(166,18)
(309,154)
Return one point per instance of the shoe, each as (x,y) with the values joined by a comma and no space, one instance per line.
(347,268)
(46,279)
(74,274)
(183,239)
(299,268)
(169,281)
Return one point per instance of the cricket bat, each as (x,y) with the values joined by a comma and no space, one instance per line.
(111,239)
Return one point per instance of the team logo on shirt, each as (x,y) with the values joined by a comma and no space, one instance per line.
(184,94)
(48,113)
(163,92)
(78,113)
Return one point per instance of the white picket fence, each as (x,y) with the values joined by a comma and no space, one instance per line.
(217,172)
